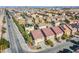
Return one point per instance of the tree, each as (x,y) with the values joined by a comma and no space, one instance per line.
(53,22)
(77,33)
(3,29)
(4,21)
(30,40)
(36,26)
(22,30)
(23,26)
(76,17)
(3,44)
(67,21)
(33,20)
(65,36)
(49,42)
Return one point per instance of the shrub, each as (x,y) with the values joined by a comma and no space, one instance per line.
(49,42)
(65,36)
(22,30)
(4,44)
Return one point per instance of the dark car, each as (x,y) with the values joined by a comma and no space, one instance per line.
(60,51)
(74,47)
(65,51)
(73,41)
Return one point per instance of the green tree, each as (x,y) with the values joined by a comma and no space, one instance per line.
(3,44)
(67,21)
(4,20)
(65,36)
(3,29)
(22,30)
(49,42)
(53,23)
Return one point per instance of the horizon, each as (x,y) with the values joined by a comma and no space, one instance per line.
(39,6)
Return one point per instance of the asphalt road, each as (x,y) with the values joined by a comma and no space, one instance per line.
(14,43)
(58,47)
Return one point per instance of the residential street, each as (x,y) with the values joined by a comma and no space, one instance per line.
(60,47)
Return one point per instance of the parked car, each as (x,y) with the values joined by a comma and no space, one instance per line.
(65,51)
(73,41)
(60,51)
(74,47)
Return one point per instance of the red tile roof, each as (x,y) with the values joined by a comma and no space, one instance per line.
(47,32)
(69,26)
(36,34)
(57,30)
(64,27)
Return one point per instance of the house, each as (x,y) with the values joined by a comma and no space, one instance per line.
(49,19)
(29,28)
(33,15)
(37,37)
(28,20)
(41,19)
(65,29)
(49,34)
(57,23)
(36,20)
(75,24)
(58,32)
(73,30)
(20,20)
(42,26)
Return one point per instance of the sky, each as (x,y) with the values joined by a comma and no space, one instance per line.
(39,2)
(41,6)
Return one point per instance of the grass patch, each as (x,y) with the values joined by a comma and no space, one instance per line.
(23,31)
(3,44)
